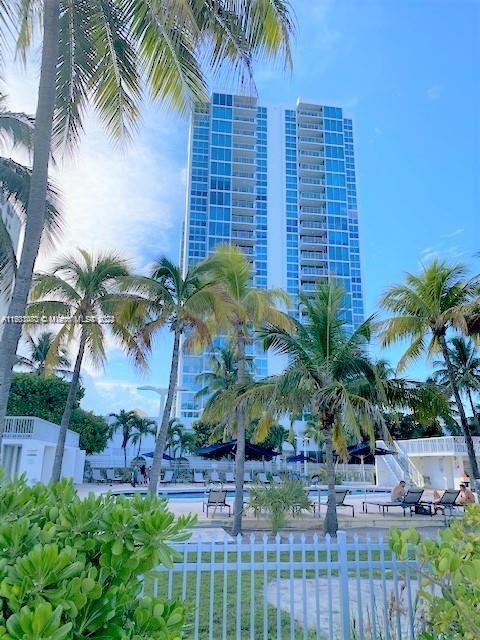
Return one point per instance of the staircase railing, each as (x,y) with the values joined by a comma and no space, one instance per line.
(409,468)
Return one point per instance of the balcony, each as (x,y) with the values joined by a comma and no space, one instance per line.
(243,160)
(313,240)
(31,428)
(441,446)
(310,139)
(239,219)
(310,166)
(313,255)
(310,153)
(243,204)
(242,234)
(312,224)
(312,195)
(313,181)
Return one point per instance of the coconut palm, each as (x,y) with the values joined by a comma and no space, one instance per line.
(327,365)
(102,53)
(143,427)
(16,132)
(38,352)
(245,309)
(425,308)
(183,304)
(83,289)
(465,360)
(124,420)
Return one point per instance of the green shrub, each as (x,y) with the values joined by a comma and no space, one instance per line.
(279,500)
(452,565)
(71,569)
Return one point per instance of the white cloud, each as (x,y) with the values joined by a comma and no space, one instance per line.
(457,232)
(434,92)
(110,396)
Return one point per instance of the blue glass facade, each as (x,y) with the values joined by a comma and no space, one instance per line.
(230,165)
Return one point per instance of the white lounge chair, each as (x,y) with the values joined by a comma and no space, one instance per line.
(262,477)
(247,477)
(276,479)
(214,476)
(167,476)
(229,476)
(97,475)
(198,477)
(111,477)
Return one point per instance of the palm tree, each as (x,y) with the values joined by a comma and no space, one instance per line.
(425,308)
(124,420)
(222,379)
(465,361)
(143,427)
(103,53)
(38,352)
(16,131)
(245,309)
(84,291)
(182,303)
(326,367)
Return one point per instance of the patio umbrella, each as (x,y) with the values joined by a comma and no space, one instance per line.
(150,454)
(229,449)
(301,457)
(363,449)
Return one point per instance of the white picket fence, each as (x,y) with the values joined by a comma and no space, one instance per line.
(258,589)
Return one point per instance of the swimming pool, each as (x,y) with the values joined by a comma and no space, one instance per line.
(199,494)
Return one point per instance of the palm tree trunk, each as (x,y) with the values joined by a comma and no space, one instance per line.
(163,431)
(472,405)
(36,200)
(463,418)
(67,412)
(124,447)
(331,522)
(240,453)
(139,446)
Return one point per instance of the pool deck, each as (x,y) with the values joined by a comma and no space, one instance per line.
(360,525)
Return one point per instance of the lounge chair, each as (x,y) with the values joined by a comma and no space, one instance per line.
(447,501)
(247,477)
(214,476)
(229,477)
(216,499)
(198,477)
(276,479)
(412,498)
(111,477)
(340,495)
(262,477)
(97,475)
(167,476)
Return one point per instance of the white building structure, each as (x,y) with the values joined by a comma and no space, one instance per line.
(440,463)
(29,448)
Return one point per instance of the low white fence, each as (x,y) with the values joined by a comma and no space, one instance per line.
(258,589)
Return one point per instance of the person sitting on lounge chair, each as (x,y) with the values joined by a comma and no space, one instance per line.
(398,492)
(466,496)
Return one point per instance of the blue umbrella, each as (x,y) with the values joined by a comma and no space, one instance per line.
(301,457)
(150,454)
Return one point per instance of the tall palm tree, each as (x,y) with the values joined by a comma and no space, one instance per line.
(425,308)
(124,420)
(183,304)
(465,360)
(327,365)
(84,290)
(16,132)
(143,427)
(38,353)
(103,53)
(245,309)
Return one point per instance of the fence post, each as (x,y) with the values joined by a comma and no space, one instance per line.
(343,583)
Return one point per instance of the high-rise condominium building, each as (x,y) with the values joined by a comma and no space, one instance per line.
(279,182)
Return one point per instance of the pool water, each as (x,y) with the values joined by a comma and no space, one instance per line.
(199,494)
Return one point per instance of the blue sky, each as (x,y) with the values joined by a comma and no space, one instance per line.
(407,72)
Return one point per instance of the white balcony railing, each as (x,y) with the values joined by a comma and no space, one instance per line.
(28,427)
(444,446)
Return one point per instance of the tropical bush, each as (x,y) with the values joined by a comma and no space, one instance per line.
(451,564)
(71,568)
(280,500)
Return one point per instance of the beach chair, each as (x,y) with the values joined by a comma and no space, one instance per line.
(198,477)
(216,499)
(111,477)
(247,477)
(340,495)
(262,477)
(167,476)
(412,498)
(276,479)
(214,476)
(229,476)
(97,476)
(447,501)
